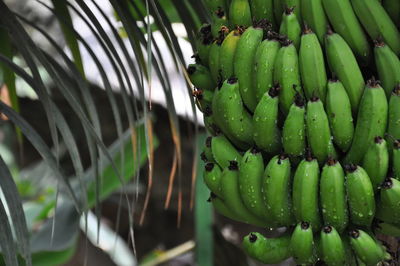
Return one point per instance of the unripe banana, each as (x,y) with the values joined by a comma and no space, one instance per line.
(212,178)
(312,66)
(227,53)
(250,182)
(388,66)
(343,63)
(207,150)
(366,247)
(278,11)
(220,206)
(333,196)
(264,65)
(276,186)
(240,13)
(314,16)
(360,195)
(231,116)
(389,210)
(267,250)
(230,193)
(290,26)
(296,6)
(267,135)
(213,60)
(200,76)
(209,123)
(396,159)
(376,162)
(287,74)
(302,244)
(305,193)
(219,22)
(213,5)
(203,44)
(294,129)
(377,22)
(394,116)
(332,247)
(344,21)
(262,9)
(223,151)
(392,7)
(387,229)
(318,132)
(243,65)
(371,121)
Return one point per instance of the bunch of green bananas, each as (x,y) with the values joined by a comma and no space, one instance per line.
(299,138)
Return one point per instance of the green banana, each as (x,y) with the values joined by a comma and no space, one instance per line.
(213,60)
(294,129)
(212,178)
(240,13)
(250,181)
(207,150)
(312,66)
(203,98)
(305,193)
(287,74)
(377,22)
(318,132)
(227,53)
(244,64)
(344,21)
(223,151)
(290,26)
(302,244)
(296,6)
(278,11)
(371,121)
(366,247)
(213,5)
(376,161)
(394,116)
(220,206)
(389,210)
(262,9)
(392,7)
(266,132)
(200,76)
(396,159)
(267,250)
(332,247)
(360,195)
(203,43)
(276,187)
(231,116)
(209,123)
(264,65)
(387,229)
(388,66)
(340,117)
(314,17)
(219,22)
(342,62)
(333,195)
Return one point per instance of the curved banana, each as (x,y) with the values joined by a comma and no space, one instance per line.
(394,116)
(290,26)
(360,195)
(302,244)
(371,121)
(223,151)
(344,21)
(312,66)
(267,250)
(332,247)
(203,43)
(276,187)
(377,22)
(318,132)
(287,74)
(294,129)
(266,132)
(207,150)
(366,247)
(200,76)
(388,66)
(340,117)
(244,64)
(212,178)
(230,193)
(227,53)
(231,116)
(264,65)
(376,162)
(220,206)
(250,182)
(333,195)
(342,62)
(213,60)
(305,193)
(389,210)
(313,15)
(240,13)
(218,22)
